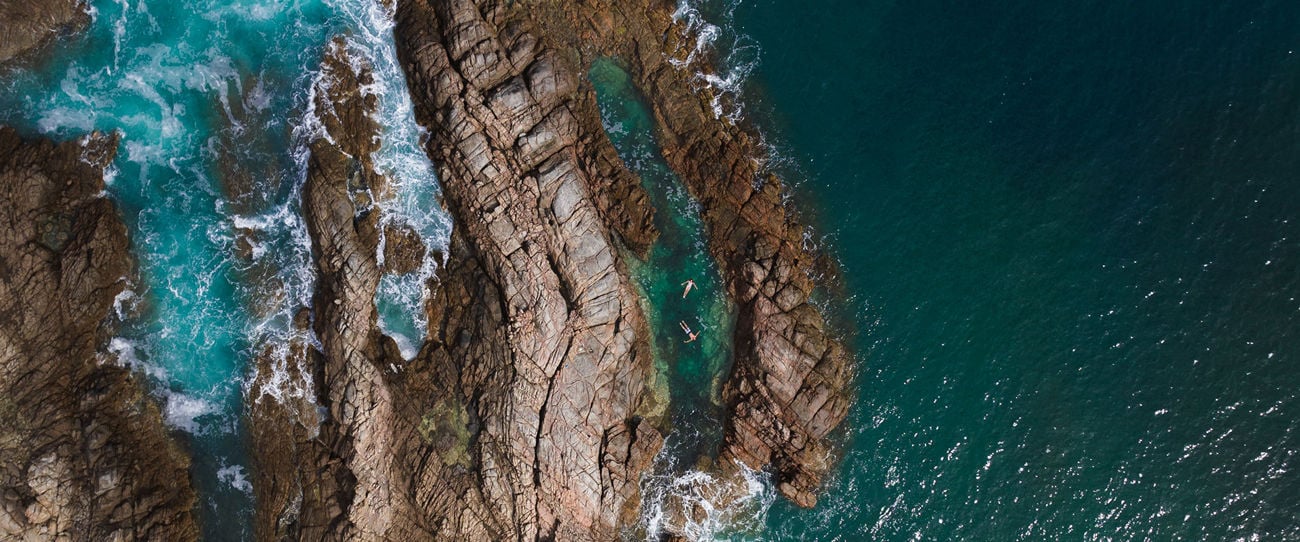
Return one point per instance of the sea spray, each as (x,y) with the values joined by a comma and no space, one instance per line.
(720,58)
(414,201)
(190,87)
(679,497)
(704,506)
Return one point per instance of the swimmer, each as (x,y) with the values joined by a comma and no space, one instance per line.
(688,284)
(692,335)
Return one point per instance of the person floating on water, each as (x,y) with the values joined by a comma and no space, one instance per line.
(689,333)
(688,284)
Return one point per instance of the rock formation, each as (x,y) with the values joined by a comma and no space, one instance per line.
(26,25)
(538,333)
(486,75)
(532,411)
(522,418)
(83,452)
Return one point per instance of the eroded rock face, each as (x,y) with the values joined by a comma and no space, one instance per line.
(790,383)
(519,419)
(26,25)
(83,452)
(527,415)
(537,331)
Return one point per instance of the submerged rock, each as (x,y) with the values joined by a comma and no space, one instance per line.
(404,252)
(83,452)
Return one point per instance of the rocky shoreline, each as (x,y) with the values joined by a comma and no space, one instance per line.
(533,411)
(83,451)
(789,385)
(27,27)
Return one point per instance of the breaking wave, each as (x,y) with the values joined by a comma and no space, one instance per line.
(401,157)
(721,58)
(704,506)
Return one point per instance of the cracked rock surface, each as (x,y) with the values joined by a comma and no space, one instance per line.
(83,451)
(789,386)
(538,335)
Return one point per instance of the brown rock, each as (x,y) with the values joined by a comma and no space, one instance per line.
(538,333)
(522,418)
(25,25)
(83,452)
(790,383)
(403,250)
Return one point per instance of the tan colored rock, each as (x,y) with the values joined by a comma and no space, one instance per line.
(83,452)
(538,331)
(403,250)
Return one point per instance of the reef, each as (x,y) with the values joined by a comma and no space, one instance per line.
(478,71)
(83,451)
(532,411)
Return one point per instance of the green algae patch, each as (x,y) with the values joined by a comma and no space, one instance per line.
(445,427)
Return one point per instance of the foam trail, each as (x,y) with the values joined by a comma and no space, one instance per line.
(701,506)
(401,158)
(721,58)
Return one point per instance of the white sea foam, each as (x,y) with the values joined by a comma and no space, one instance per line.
(181,411)
(234,476)
(125,301)
(701,506)
(721,58)
(402,159)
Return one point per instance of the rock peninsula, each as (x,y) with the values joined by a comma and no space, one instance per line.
(533,411)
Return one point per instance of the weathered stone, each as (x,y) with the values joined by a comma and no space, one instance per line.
(403,250)
(783,399)
(83,452)
(565,367)
(525,415)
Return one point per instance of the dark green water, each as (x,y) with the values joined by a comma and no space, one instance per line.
(1070,230)
(692,370)
(1068,233)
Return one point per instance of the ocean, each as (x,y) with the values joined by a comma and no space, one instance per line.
(1069,256)
(213,102)
(1069,235)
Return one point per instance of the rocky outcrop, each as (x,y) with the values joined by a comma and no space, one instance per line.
(788,388)
(520,418)
(332,478)
(539,342)
(530,412)
(790,380)
(27,25)
(83,452)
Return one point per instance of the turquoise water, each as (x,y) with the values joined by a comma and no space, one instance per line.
(211,99)
(1069,235)
(694,370)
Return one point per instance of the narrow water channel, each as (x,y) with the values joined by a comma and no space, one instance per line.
(694,370)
